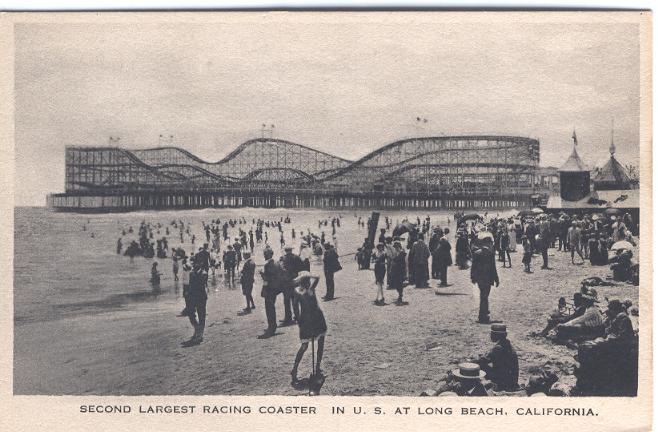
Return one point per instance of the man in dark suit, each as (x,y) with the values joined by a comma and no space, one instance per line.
(197,298)
(292,264)
(271,275)
(203,257)
(483,272)
(247,281)
(433,245)
(331,266)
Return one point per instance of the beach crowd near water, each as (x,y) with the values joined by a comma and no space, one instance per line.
(285,261)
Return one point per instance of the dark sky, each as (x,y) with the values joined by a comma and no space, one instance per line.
(345,85)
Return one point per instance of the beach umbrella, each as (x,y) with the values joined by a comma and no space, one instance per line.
(537,210)
(470,216)
(403,227)
(613,211)
(622,244)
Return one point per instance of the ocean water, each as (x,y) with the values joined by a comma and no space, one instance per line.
(61,271)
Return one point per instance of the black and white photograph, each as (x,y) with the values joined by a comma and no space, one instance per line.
(332,204)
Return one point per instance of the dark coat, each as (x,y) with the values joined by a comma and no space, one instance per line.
(442,253)
(272,274)
(197,287)
(483,270)
(292,264)
(398,270)
(502,366)
(330,261)
(247,274)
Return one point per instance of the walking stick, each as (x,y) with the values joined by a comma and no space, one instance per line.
(310,382)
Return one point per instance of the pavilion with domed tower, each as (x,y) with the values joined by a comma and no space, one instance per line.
(610,190)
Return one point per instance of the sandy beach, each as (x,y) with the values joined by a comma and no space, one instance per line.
(134,348)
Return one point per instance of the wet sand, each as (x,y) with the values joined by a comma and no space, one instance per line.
(370,350)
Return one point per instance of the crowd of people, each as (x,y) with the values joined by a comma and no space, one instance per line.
(405,253)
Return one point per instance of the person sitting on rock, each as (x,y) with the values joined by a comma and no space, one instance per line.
(501,364)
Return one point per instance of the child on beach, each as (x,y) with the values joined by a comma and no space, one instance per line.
(312,324)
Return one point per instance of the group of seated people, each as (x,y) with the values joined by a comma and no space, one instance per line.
(497,372)
(583,320)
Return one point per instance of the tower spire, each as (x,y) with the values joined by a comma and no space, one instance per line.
(612,139)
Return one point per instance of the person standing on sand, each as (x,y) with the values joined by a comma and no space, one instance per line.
(247,280)
(527,254)
(331,265)
(198,297)
(398,271)
(312,324)
(174,260)
(462,249)
(483,272)
(292,264)
(229,259)
(574,239)
(271,275)
(420,253)
(186,286)
(379,257)
(443,255)
(505,248)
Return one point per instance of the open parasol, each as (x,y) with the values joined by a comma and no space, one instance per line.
(537,210)
(470,216)
(622,244)
(613,211)
(403,227)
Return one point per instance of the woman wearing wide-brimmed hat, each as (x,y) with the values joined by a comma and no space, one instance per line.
(312,324)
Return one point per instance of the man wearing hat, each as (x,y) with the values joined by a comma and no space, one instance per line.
(247,280)
(544,239)
(433,245)
(271,275)
(196,304)
(229,259)
(574,239)
(483,272)
(469,380)
(331,265)
(501,364)
(587,326)
(292,264)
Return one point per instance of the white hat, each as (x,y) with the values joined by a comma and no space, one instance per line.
(302,275)
(482,235)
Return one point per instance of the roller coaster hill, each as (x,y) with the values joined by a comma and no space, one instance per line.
(446,172)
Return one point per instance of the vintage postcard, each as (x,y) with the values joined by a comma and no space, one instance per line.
(326,220)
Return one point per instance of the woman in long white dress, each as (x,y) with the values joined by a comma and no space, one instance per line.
(511,228)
